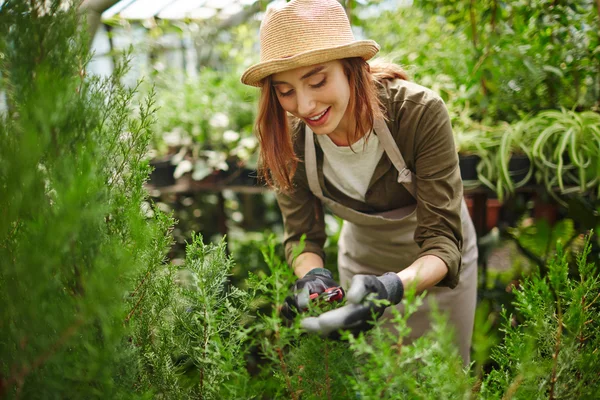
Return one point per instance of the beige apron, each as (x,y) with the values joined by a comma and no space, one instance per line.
(383,242)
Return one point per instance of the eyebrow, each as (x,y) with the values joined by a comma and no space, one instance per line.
(310,73)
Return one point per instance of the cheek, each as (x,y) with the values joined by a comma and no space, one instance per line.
(346,95)
(286,104)
(341,96)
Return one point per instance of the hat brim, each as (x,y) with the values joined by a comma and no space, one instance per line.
(365,49)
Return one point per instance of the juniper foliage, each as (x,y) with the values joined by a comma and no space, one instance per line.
(551,349)
(192,328)
(90,309)
(73,238)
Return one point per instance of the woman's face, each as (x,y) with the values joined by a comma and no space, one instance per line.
(318,94)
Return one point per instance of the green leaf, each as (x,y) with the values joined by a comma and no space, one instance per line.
(553,70)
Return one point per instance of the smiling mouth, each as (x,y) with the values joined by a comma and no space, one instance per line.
(318,117)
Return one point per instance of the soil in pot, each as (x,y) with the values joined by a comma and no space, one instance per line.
(162,175)
(468,166)
(518,167)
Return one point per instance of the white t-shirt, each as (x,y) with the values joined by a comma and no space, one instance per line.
(349,171)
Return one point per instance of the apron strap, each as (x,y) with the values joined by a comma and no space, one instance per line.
(405,176)
(310,161)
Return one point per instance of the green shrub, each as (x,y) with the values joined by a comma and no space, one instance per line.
(73,237)
(90,310)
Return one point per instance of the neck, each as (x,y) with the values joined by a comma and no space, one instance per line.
(340,135)
(340,139)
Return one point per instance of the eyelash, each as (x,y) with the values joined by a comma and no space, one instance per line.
(318,85)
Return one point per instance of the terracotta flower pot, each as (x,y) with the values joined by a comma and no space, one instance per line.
(544,209)
(493,207)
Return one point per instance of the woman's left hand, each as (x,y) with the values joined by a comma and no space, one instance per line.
(362,310)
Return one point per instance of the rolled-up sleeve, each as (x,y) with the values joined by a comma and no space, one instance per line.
(302,215)
(439,191)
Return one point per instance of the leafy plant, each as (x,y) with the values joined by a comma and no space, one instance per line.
(471,137)
(523,57)
(205,123)
(189,327)
(494,169)
(538,240)
(73,237)
(567,150)
(551,353)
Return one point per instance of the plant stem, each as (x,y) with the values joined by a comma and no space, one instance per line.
(327,377)
(556,349)
(592,302)
(140,284)
(20,376)
(474,38)
(473,23)
(134,308)
(204,354)
(510,392)
(284,368)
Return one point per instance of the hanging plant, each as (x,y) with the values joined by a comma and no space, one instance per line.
(567,150)
(508,165)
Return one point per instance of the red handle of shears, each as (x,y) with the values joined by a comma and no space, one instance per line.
(330,294)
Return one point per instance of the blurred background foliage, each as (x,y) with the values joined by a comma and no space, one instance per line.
(504,58)
(521,80)
(518,77)
(499,65)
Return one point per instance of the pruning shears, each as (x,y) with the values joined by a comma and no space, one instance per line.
(330,294)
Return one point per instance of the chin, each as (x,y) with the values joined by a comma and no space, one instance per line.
(321,130)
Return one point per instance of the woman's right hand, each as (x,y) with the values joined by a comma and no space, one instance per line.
(316,281)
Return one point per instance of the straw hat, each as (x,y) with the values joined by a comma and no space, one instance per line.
(303,33)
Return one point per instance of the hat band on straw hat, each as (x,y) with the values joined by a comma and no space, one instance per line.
(303,33)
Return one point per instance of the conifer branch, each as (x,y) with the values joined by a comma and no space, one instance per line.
(580,334)
(204,353)
(19,377)
(284,368)
(11,234)
(140,284)
(556,350)
(512,389)
(384,388)
(134,308)
(591,303)
(327,377)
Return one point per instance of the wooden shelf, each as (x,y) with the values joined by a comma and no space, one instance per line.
(186,184)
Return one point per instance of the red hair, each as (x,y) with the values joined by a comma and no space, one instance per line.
(278,161)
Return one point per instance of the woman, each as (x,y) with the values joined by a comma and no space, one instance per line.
(379,152)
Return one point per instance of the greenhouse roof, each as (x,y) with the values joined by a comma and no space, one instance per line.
(175,9)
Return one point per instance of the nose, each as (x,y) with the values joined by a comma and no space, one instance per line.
(306,104)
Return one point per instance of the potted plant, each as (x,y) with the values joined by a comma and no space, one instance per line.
(471,139)
(567,150)
(205,128)
(507,165)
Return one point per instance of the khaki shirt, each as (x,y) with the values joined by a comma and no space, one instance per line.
(420,125)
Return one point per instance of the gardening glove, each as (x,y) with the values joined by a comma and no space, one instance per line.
(357,316)
(315,282)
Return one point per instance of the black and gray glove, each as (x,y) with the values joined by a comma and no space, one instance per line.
(357,316)
(315,282)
